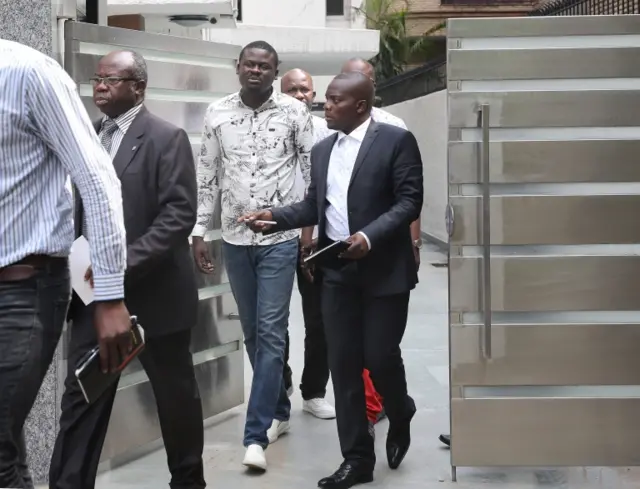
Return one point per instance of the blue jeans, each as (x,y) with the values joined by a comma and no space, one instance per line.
(261,279)
(32,315)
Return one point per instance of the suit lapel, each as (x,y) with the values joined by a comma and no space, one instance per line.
(324,170)
(130,143)
(367,142)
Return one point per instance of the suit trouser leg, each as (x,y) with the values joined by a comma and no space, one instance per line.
(315,374)
(343,320)
(385,320)
(168,363)
(83,427)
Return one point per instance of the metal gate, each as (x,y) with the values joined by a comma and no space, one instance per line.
(544,206)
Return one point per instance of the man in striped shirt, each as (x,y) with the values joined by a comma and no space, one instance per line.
(46,136)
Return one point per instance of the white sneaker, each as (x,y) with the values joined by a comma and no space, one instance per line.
(277,429)
(254,458)
(320,408)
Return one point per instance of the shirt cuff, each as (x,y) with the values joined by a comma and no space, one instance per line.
(108,287)
(366,239)
(199,231)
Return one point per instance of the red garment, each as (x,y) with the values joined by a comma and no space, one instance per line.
(374,400)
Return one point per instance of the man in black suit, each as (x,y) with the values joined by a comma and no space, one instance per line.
(366,189)
(154,162)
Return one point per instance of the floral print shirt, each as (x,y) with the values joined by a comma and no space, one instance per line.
(249,157)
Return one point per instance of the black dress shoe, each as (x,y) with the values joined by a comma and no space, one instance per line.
(399,438)
(348,475)
(445,440)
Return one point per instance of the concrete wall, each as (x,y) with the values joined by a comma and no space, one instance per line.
(426,117)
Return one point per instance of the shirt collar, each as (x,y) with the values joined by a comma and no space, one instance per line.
(124,121)
(270,103)
(358,133)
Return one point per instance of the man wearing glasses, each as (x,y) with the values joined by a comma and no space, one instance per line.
(154,162)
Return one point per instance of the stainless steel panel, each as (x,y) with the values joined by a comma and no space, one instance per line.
(554,220)
(553,283)
(544,26)
(165,75)
(186,115)
(547,354)
(548,161)
(521,64)
(127,38)
(134,422)
(545,432)
(587,108)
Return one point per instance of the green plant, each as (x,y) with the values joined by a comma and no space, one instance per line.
(396,46)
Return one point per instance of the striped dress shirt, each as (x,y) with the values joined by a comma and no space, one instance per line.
(123,122)
(45,136)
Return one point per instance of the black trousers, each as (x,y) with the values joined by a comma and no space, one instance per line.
(315,374)
(363,332)
(83,427)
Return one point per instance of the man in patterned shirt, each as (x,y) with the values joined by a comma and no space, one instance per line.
(315,374)
(253,141)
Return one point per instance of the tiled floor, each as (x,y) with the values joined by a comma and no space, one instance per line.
(310,451)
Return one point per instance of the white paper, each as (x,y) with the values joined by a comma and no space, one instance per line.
(79,261)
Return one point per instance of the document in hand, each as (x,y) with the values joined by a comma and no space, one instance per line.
(92,380)
(327,255)
(79,262)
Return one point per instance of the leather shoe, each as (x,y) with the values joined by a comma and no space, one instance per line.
(399,438)
(445,440)
(348,475)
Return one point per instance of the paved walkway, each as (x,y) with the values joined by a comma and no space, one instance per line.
(310,451)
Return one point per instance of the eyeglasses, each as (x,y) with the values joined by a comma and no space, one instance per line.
(109,80)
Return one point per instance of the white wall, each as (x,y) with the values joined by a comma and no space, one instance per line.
(309,13)
(426,117)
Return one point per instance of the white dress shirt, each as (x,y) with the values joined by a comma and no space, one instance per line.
(46,136)
(250,157)
(341,162)
(380,115)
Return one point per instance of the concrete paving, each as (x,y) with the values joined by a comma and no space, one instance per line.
(310,451)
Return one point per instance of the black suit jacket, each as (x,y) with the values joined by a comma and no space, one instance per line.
(385,197)
(159,193)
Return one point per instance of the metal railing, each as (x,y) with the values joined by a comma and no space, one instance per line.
(428,78)
(587,7)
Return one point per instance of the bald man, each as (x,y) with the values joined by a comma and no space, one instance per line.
(366,189)
(315,374)
(375,403)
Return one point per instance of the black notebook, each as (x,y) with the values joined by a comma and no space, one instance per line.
(327,256)
(92,380)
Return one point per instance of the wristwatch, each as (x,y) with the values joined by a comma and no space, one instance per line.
(417,243)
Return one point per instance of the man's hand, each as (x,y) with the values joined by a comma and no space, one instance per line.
(358,249)
(416,255)
(113,326)
(201,255)
(88,276)
(306,249)
(253,220)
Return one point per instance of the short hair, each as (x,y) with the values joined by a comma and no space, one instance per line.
(264,45)
(138,68)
